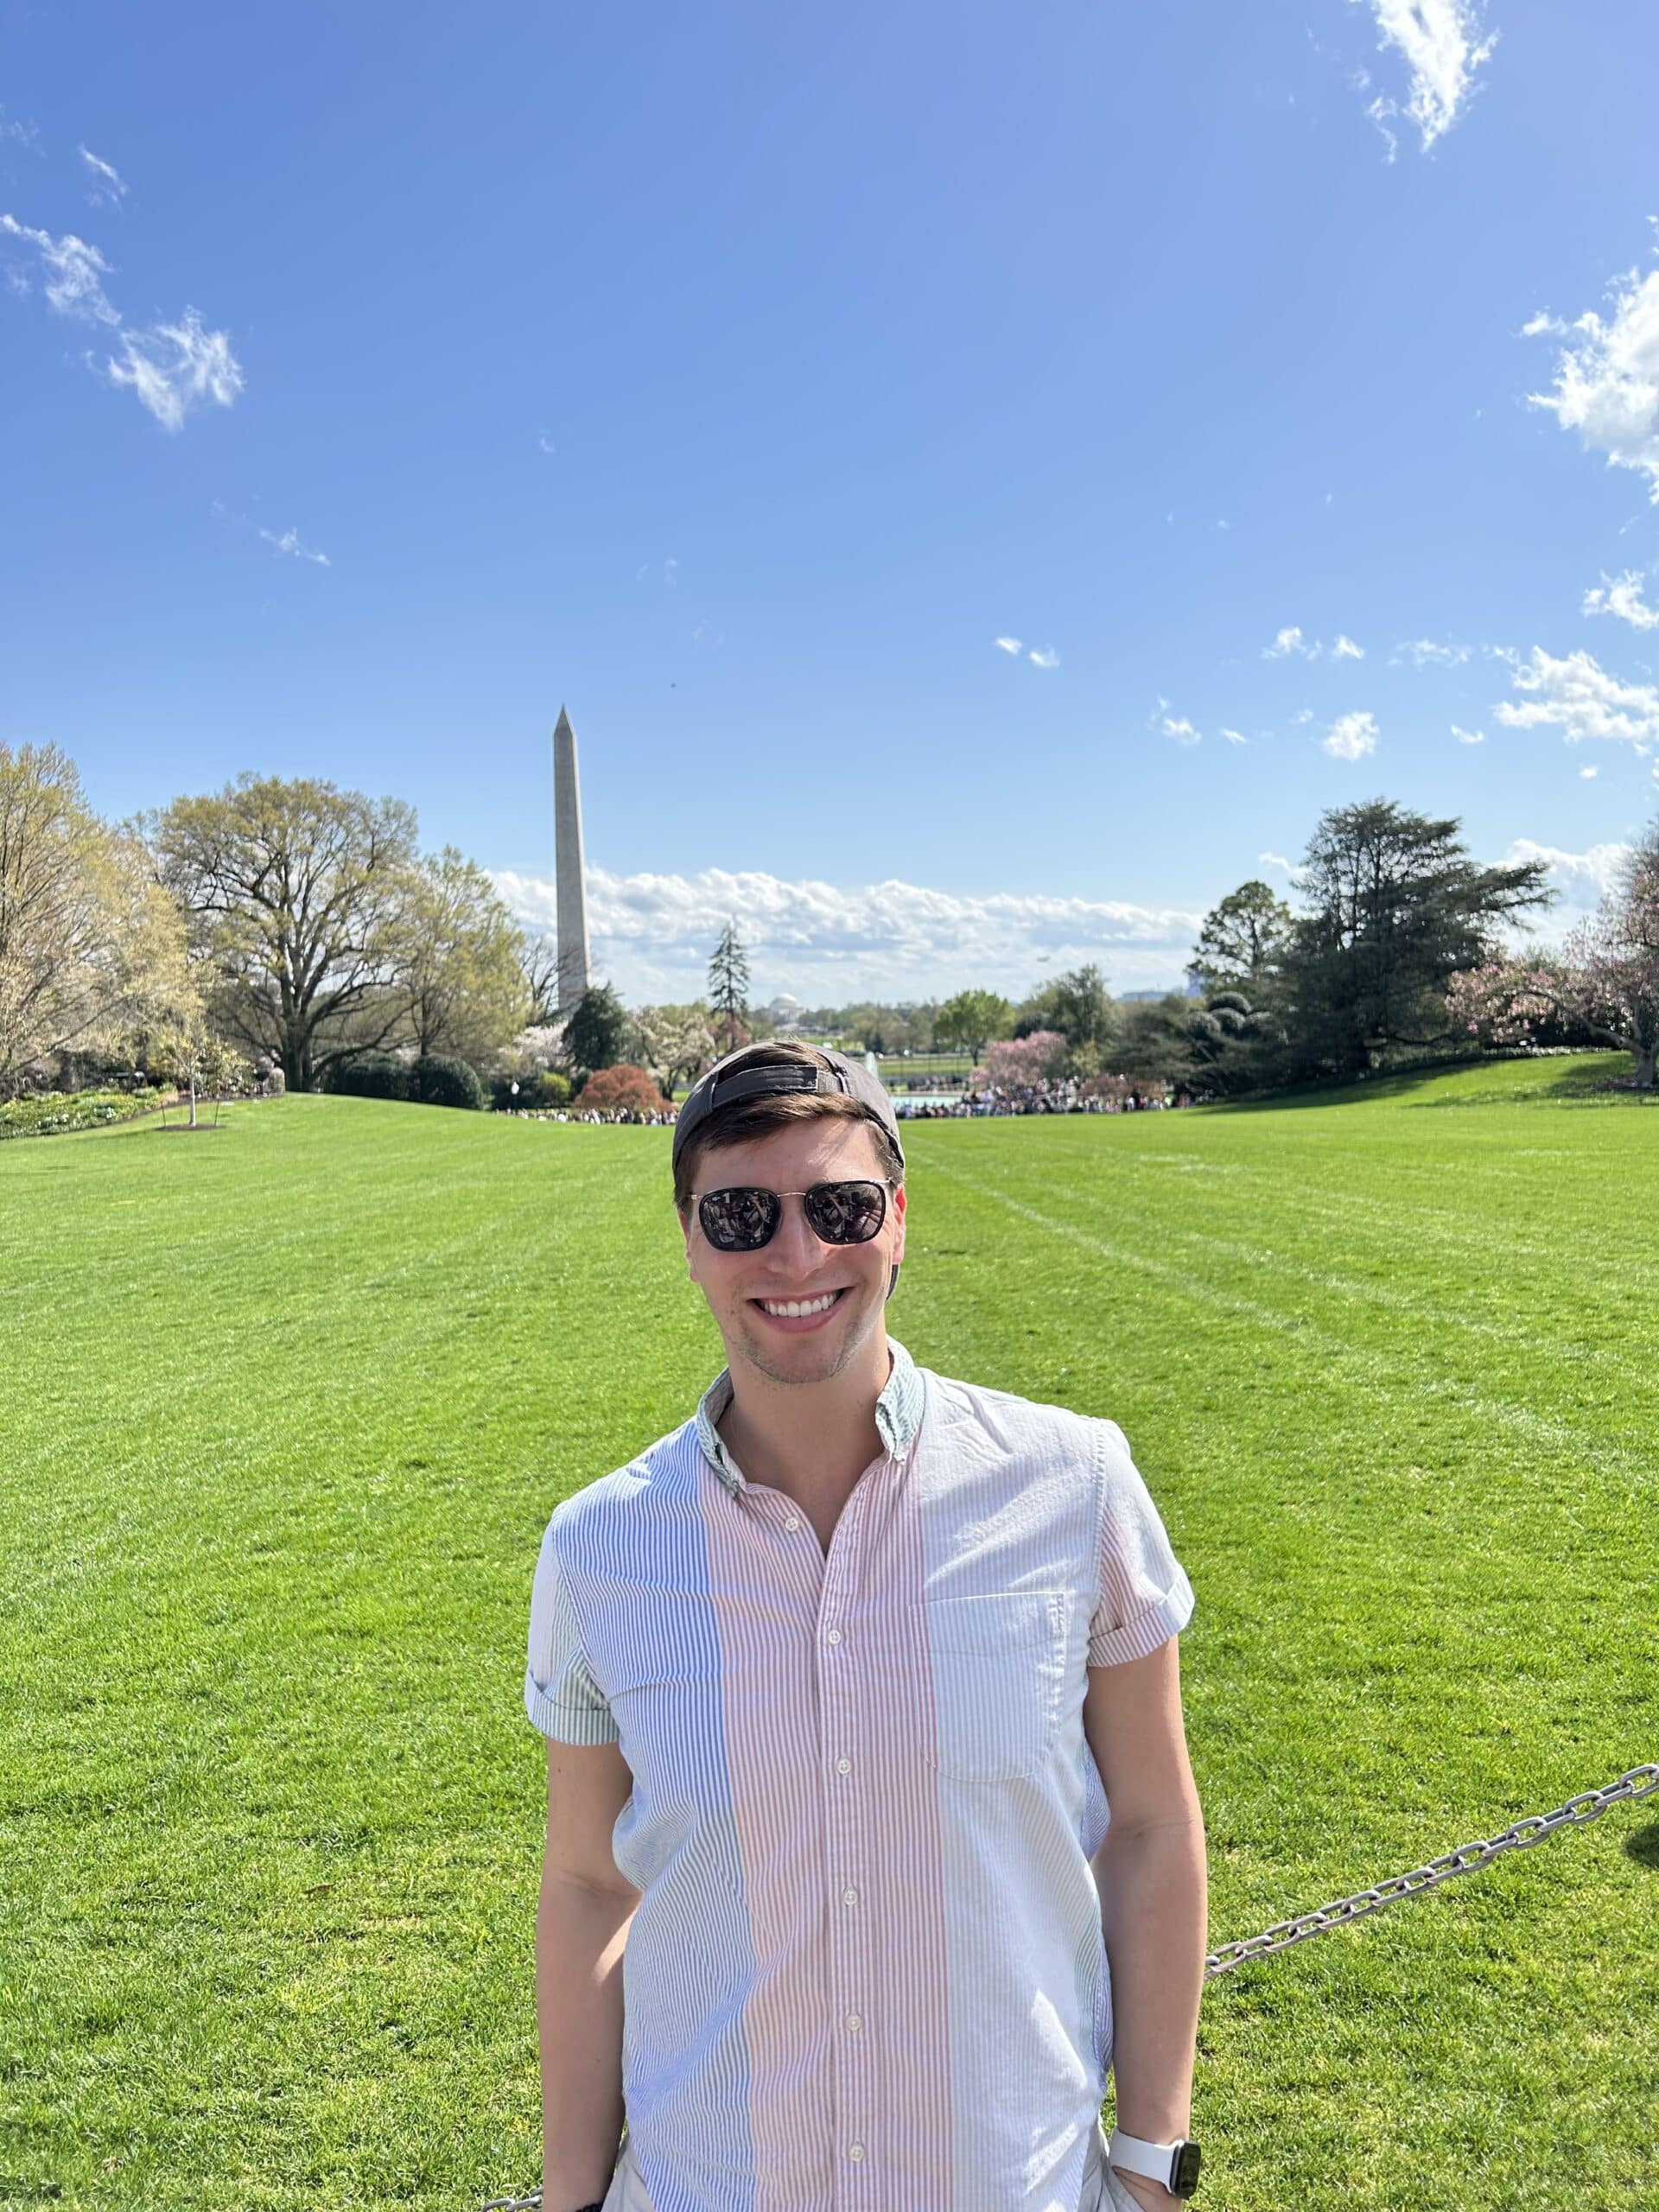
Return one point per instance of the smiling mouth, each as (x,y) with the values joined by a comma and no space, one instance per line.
(799,1309)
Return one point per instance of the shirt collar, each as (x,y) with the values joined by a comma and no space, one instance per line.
(898,1415)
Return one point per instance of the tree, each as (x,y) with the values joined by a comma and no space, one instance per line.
(1503,1003)
(88,939)
(1017,1062)
(624,1088)
(728,988)
(455,955)
(971,1021)
(1394,908)
(596,1034)
(296,889)
(1075,1003)
(538,957)
(675,1041)
(1242,939)
(1609,976)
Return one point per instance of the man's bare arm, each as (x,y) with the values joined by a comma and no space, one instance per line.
(1151,1873)
(581,1927)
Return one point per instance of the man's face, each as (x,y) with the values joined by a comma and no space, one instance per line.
(746,1290)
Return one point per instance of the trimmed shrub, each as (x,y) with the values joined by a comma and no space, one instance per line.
(440,1080)
(372,1075)
(625,1088)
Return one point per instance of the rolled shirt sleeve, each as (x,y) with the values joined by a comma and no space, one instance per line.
(1144,1596)
(561,1696)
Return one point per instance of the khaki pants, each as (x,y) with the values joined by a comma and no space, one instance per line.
(1101,2190)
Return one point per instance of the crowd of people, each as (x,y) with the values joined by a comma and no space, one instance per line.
(1048,1094)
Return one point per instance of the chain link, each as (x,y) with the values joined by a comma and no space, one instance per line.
(1521,1835)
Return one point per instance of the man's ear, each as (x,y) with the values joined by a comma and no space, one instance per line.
(899,1217)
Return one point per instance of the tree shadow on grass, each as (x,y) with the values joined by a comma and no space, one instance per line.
(1590,1079)
(1643,1845)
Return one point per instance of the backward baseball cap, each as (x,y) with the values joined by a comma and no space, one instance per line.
(730,1080)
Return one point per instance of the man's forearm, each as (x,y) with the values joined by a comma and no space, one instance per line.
(1154,1916)
(580,1937)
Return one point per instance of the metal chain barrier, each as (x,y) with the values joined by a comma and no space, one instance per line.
(1521,1835)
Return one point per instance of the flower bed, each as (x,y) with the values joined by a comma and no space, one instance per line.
(55,1113)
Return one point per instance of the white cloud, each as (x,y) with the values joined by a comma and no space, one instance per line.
(1291,641)
(1234,736)
(1588,773)
(1047,657)
(652,934)
(1575,695)
(1008,645)
(1607,377)
(545,442)
(289,543)
(1622,595)
(1178,727)
(1275,859)
(108,189)
(1468,736)
(25,134)
(71,268)
(1302,717)
(1580,877)
(1351,737)
(1424,652)
(174,367)
(1441,44)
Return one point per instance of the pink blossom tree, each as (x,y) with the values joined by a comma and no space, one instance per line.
(1503,1003)
(1611,972)
(1014,1062)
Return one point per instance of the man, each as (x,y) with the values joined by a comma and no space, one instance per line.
(839,1681)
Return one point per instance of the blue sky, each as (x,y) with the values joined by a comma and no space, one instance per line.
(376,378)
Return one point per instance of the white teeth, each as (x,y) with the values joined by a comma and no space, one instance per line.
(792,1308)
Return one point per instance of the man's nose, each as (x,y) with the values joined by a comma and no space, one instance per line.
(795,1244)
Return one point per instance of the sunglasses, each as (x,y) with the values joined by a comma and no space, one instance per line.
(742,1220)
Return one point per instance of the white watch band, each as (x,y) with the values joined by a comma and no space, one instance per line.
(1155,2161)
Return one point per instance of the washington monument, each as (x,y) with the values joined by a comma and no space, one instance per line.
(567,859)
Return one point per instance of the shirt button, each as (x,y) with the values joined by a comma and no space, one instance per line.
(833,1637)
(791,1524)
(855,2150)
(853,2022)
(843,1766)
(849,1896)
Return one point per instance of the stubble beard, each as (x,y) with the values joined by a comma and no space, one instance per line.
(766,1359)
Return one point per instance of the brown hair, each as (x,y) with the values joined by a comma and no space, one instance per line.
(748,1118)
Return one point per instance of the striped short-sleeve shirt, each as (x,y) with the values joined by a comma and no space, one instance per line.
(866,1971)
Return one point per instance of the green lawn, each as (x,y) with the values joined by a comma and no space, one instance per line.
(284,1407)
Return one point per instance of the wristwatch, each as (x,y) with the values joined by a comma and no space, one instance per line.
(1175,2165)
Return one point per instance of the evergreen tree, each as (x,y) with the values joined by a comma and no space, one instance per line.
(729,990)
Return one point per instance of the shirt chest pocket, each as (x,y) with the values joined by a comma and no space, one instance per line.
(997,1667)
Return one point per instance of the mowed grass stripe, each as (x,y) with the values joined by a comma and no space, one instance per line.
(285,1408)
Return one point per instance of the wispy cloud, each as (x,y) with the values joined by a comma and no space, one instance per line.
(1575,695)
(1351,737)
(172,368)
(72,272)
(1592,770)
(1045,657)
(1622,595)
(546,443)
(1180,731)
(108,189)
(1008,646)
(22,133)
(289,542)
(1290,643)
(1275,859)
(1581,878)
(652,934)
(1468,736)
(1425,653)
(1442,45)
(1606,383)
(1234,736)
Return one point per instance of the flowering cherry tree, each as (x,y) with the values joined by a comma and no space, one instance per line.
(1015,1061)
(1611,977)
(1503,1003)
